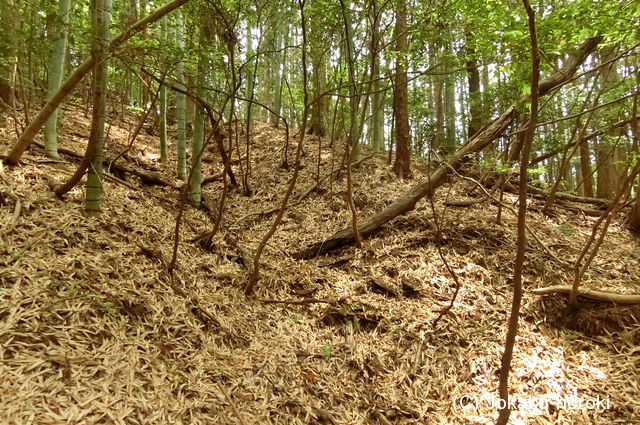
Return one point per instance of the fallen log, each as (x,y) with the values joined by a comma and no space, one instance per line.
(566,196)
(465,202)
(211,179)
(586,211)
(512,186)
(480,140)
(592,294)
(147,177)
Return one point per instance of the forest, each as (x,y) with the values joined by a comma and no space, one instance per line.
(319,212)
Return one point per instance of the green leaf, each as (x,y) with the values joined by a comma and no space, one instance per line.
(514,33)
(325,351)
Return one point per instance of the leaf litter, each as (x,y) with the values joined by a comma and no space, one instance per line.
(92,330)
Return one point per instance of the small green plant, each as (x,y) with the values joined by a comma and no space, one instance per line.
(537,171)
(135,109)
(569,336)
(566,229)
(325,351)
(495,164)
(295,319)
(109,308)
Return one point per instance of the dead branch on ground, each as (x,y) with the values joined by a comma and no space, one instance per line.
(592,294)
(482,138)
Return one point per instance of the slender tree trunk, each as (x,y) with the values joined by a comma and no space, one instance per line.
(319,108)
(252,63)
(197,142)
(402,164)
(250,114)
(318,124)
(634,215)
(586,182)
(618,150)
(8,58)
(56,73)
(606,173)
(450,104)
(377,100)
(354,96)
(163,104)
(354,130)
(196,146)
(518,268)
(282,57)
(438,140)
(475,96)
(487,110)
(181,102)
(102,16)
(72,80)
(282,40)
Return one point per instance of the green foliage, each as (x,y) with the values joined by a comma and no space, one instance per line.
(495,164)
(538,171)
(566,229)
(326,351)
(135,109)
(535,175)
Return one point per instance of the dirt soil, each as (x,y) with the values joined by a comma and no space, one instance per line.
(93,329)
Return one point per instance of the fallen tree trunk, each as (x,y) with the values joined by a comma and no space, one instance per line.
(407,202)
(592,294)
(482,138)
(567,196)
(511,186)
(586,211)
(147,177)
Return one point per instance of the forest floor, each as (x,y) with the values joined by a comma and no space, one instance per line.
(93,330)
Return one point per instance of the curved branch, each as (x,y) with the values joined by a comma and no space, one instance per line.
(27,136)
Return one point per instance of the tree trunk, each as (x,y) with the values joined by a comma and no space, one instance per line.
(163,103)
(482,139)
(475,96)
(195,193)
(251,66)
(634,216)
(69,84)
(181,102)
(377,100)
(56,73)
(487,110)
(353,150)
(102,16)
(451,140)
(282,41)
(438,98)
(318,124)
(585,186)
(8,60)
(402,165)
(606,183)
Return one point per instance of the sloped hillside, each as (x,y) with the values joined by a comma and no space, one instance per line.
(94,330)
